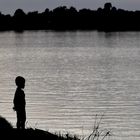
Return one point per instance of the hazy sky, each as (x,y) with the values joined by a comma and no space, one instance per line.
(9,6)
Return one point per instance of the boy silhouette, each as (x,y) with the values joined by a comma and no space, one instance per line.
(19,102)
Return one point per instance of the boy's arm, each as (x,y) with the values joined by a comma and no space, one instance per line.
(14,100)
(14,108)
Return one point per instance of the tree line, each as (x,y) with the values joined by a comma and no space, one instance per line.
(108,18)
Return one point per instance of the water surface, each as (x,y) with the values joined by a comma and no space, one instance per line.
(71,77)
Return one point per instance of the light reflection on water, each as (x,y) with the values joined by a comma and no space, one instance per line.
(71,77)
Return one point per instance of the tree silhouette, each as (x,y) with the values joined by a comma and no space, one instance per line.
(108,18)
(18,20)
(107,6)
(19,13)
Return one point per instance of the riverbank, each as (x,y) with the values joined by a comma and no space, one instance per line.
(33,134)
(7,131)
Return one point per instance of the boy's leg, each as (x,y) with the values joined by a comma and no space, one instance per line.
(23,124)
(23,119)
(18,125)
(18,120)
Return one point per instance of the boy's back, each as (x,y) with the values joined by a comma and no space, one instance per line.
(19,99)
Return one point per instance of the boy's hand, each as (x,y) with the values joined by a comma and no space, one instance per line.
(14,108)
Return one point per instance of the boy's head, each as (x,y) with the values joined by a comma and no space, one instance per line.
(20,82)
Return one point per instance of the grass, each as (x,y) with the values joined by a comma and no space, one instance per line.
(98,133)
(7,131)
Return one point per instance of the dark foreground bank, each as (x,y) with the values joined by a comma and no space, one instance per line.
(8,132)
(32,134)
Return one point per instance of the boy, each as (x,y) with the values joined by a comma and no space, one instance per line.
(19,102)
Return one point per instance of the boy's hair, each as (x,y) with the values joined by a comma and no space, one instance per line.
(19,80)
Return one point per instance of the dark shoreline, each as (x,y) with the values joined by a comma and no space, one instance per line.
(33,134)
(7,131)
(107,19)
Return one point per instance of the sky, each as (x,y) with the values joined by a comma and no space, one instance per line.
(9,6)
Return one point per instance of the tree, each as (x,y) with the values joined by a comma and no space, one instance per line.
(107,6)
(19,13)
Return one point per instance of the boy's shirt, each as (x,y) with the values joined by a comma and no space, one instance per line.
(19,100)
